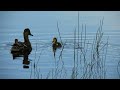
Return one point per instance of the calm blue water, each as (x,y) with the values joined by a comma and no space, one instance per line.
(43,26)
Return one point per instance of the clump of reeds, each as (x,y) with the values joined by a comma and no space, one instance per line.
(60,70)
(98,55)
(89,66)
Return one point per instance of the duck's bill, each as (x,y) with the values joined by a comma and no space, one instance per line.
(31,35)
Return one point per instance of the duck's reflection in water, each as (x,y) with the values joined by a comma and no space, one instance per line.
(26,60)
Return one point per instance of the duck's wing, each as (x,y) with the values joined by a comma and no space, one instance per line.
(58,44)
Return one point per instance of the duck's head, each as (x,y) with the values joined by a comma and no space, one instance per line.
(16,40)
(54,40)
(27,32)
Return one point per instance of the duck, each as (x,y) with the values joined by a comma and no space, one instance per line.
(55,45)
(20,48)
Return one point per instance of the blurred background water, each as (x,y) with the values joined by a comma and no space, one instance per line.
(43,25)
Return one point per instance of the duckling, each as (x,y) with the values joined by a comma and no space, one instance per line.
(55,45)
(21,47)
(16,42)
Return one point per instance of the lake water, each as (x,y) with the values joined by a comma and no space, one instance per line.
(43,26)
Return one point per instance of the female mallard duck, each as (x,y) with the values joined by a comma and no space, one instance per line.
(22,47)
